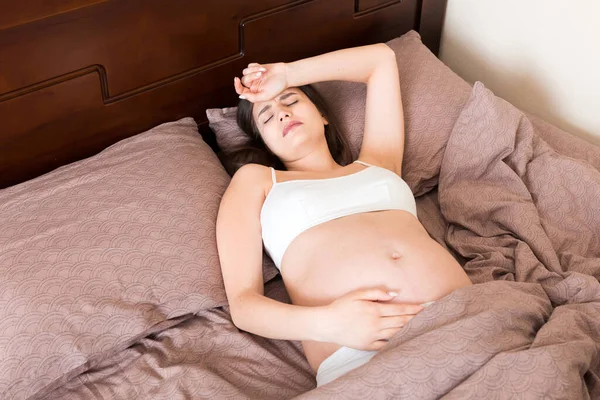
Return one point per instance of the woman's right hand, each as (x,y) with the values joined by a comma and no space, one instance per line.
(261,82)
(365,319)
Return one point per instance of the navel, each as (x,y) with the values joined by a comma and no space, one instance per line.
(396,256)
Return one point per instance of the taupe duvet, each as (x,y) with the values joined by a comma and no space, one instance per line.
(523,220)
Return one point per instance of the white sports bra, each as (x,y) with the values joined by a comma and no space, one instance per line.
(291,207)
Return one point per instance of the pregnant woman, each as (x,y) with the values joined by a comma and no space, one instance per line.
(354,258)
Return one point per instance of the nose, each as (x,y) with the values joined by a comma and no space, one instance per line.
(283,114)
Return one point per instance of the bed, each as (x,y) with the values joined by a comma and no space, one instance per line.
(116,121)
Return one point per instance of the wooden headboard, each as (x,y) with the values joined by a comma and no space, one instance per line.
(79,75)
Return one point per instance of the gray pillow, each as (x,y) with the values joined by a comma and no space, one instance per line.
(98,253)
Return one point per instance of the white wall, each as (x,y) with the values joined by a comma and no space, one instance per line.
(543,56)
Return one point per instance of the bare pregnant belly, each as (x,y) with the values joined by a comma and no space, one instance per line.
(384,249)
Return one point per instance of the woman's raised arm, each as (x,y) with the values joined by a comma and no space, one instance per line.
(355,64)
(262,82)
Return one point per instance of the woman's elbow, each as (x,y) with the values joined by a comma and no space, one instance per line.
(235,314)
(386,50)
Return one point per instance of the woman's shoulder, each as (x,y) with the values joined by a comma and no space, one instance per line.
(252,171)
(253,175)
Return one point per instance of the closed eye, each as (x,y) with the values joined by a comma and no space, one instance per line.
(291,104)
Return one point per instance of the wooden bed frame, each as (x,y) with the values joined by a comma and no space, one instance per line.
(79,75)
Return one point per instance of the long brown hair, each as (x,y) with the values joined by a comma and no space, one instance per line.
(256,151)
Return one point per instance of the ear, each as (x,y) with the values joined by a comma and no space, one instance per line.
(325,122)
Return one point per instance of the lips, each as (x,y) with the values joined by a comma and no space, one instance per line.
(289,126)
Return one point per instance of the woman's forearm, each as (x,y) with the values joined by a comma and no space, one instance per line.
(354,64)
(273,319)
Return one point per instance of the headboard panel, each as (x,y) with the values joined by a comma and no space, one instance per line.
(78,76)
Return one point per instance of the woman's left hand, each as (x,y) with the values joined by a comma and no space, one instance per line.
(261,82)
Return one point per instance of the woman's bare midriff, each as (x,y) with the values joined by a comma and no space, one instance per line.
(382,249)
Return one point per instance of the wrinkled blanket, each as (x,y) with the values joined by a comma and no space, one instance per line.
(528,222)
